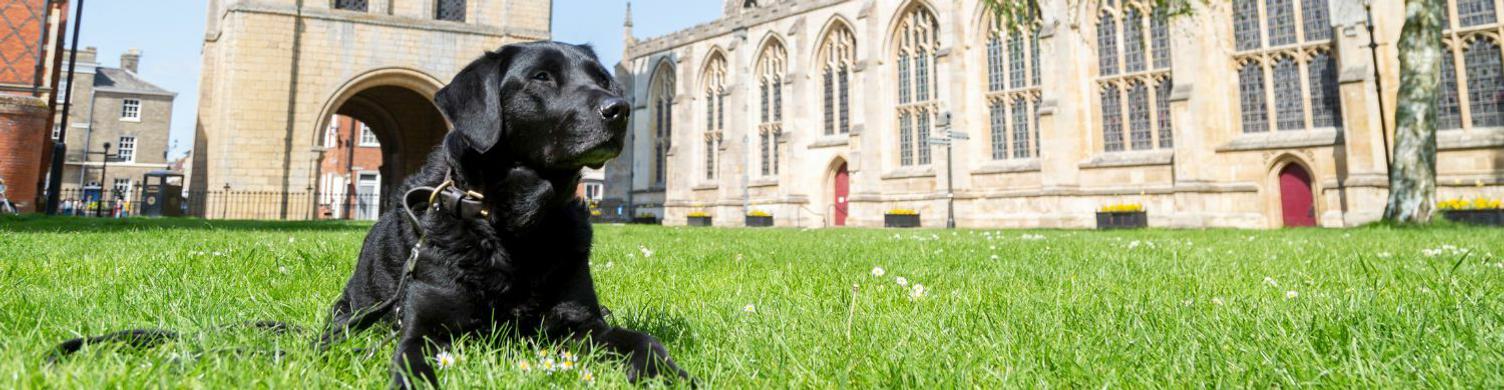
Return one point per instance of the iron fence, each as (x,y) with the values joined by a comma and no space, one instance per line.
(260,205)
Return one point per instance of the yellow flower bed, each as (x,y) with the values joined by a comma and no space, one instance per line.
(1479,203)
(903,212)
(1123,208)
(698,214)
(759,213)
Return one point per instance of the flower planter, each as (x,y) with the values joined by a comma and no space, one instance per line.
(645,220)
(1122,220)
(699,221)
(759,220)
(901,220)
(1475,217)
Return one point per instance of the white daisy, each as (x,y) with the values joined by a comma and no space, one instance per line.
(445,359)
(1291,294)
(878,272)
(749,309)
(917,292)
(1270,281)
(902,281)
(1217,301)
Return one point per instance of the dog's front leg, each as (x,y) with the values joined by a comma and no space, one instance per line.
(646,357)
(430,316)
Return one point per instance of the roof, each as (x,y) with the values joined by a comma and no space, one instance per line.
(120,80)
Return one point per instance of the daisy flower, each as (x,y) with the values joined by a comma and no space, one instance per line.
(902,281)
(1217,301)
(1291,294)
(878,272)
(917,292)
(445,359)
(749,309)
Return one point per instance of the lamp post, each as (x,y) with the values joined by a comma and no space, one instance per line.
(1378,82)
(947,136)
(104,170)
(60,147)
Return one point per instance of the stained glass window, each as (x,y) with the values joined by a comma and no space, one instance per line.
(999,137)
(1107,44)
(1318,22)
(994,64)
(1289,106)
(451,10)
(1162,105)
(1246,24)
(905,139)
(1139,130)
(1252,100)
(1016,69)
(923,136)
(1325,110)
(830,112)
(1281,21)
(1112,119)
(1159,28)
(1485,84)
(1020,129)
(1475,12)
(1448,108)
(1133,41)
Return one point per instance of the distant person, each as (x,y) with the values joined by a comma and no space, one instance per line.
(5,205)
(67,207)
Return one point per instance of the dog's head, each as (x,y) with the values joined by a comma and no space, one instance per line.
(545,105)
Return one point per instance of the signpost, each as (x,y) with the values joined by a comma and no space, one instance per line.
(950,195)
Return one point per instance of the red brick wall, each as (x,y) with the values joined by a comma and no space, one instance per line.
(20,32)
(23,134)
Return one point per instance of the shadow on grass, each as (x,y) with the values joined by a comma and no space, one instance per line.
(44,224)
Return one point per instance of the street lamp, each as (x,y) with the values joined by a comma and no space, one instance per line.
(1378,82)
(104,170)
(946,137)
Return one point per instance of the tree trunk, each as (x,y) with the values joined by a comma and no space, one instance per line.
(1412,175)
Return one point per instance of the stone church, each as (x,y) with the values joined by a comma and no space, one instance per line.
(1239,113)
(276,71)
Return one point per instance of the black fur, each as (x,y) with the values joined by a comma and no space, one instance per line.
(526,118)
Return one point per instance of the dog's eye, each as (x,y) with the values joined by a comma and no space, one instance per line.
(543,76)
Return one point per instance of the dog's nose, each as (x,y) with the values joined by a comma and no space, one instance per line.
(614,109)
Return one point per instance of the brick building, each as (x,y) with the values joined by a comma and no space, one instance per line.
(1244,113)
(275,72)
(350,173)
(114,106)
(30,32)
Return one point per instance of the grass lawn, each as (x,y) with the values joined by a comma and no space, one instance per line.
(739,308)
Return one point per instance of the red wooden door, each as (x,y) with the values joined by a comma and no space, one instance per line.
(843,190)
(1296,199)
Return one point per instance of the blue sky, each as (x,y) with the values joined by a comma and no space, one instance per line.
(170,35)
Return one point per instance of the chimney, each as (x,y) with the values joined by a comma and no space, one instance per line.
(130,59)
(86,56)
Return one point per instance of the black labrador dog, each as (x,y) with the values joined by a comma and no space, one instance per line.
(506,245)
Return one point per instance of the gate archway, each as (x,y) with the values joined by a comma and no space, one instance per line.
(397,105)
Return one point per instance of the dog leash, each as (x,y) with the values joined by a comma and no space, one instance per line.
(447,195)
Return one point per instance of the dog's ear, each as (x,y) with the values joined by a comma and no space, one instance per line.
(472,101)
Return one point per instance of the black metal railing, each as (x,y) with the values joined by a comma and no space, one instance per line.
(260,205)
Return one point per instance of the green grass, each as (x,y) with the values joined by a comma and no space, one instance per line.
(1072,309)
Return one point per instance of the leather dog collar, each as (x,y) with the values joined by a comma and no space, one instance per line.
(447,197)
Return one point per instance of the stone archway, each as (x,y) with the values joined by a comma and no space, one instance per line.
(397,104)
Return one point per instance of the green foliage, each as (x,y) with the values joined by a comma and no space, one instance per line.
(785,308)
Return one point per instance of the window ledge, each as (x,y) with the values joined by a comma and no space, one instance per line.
(910,173)
(1130,159)
(830,141)
(702,187)
(1008,166)
(1476,138)
(1327,136)
(763,182)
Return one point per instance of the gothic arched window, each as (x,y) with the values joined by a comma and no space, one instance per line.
(714,80)
(1013,89)
(772,65)
(662,100)
(1141,84)
(1284,46)
(918,41)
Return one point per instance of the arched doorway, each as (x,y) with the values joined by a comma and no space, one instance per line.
(1296,197)
(842,191)
(396,105)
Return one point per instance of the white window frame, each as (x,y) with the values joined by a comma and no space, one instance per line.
(123,185)
(126,149)
(368,138)
(130,110)
(62,90)
(57,131)
(331,133)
